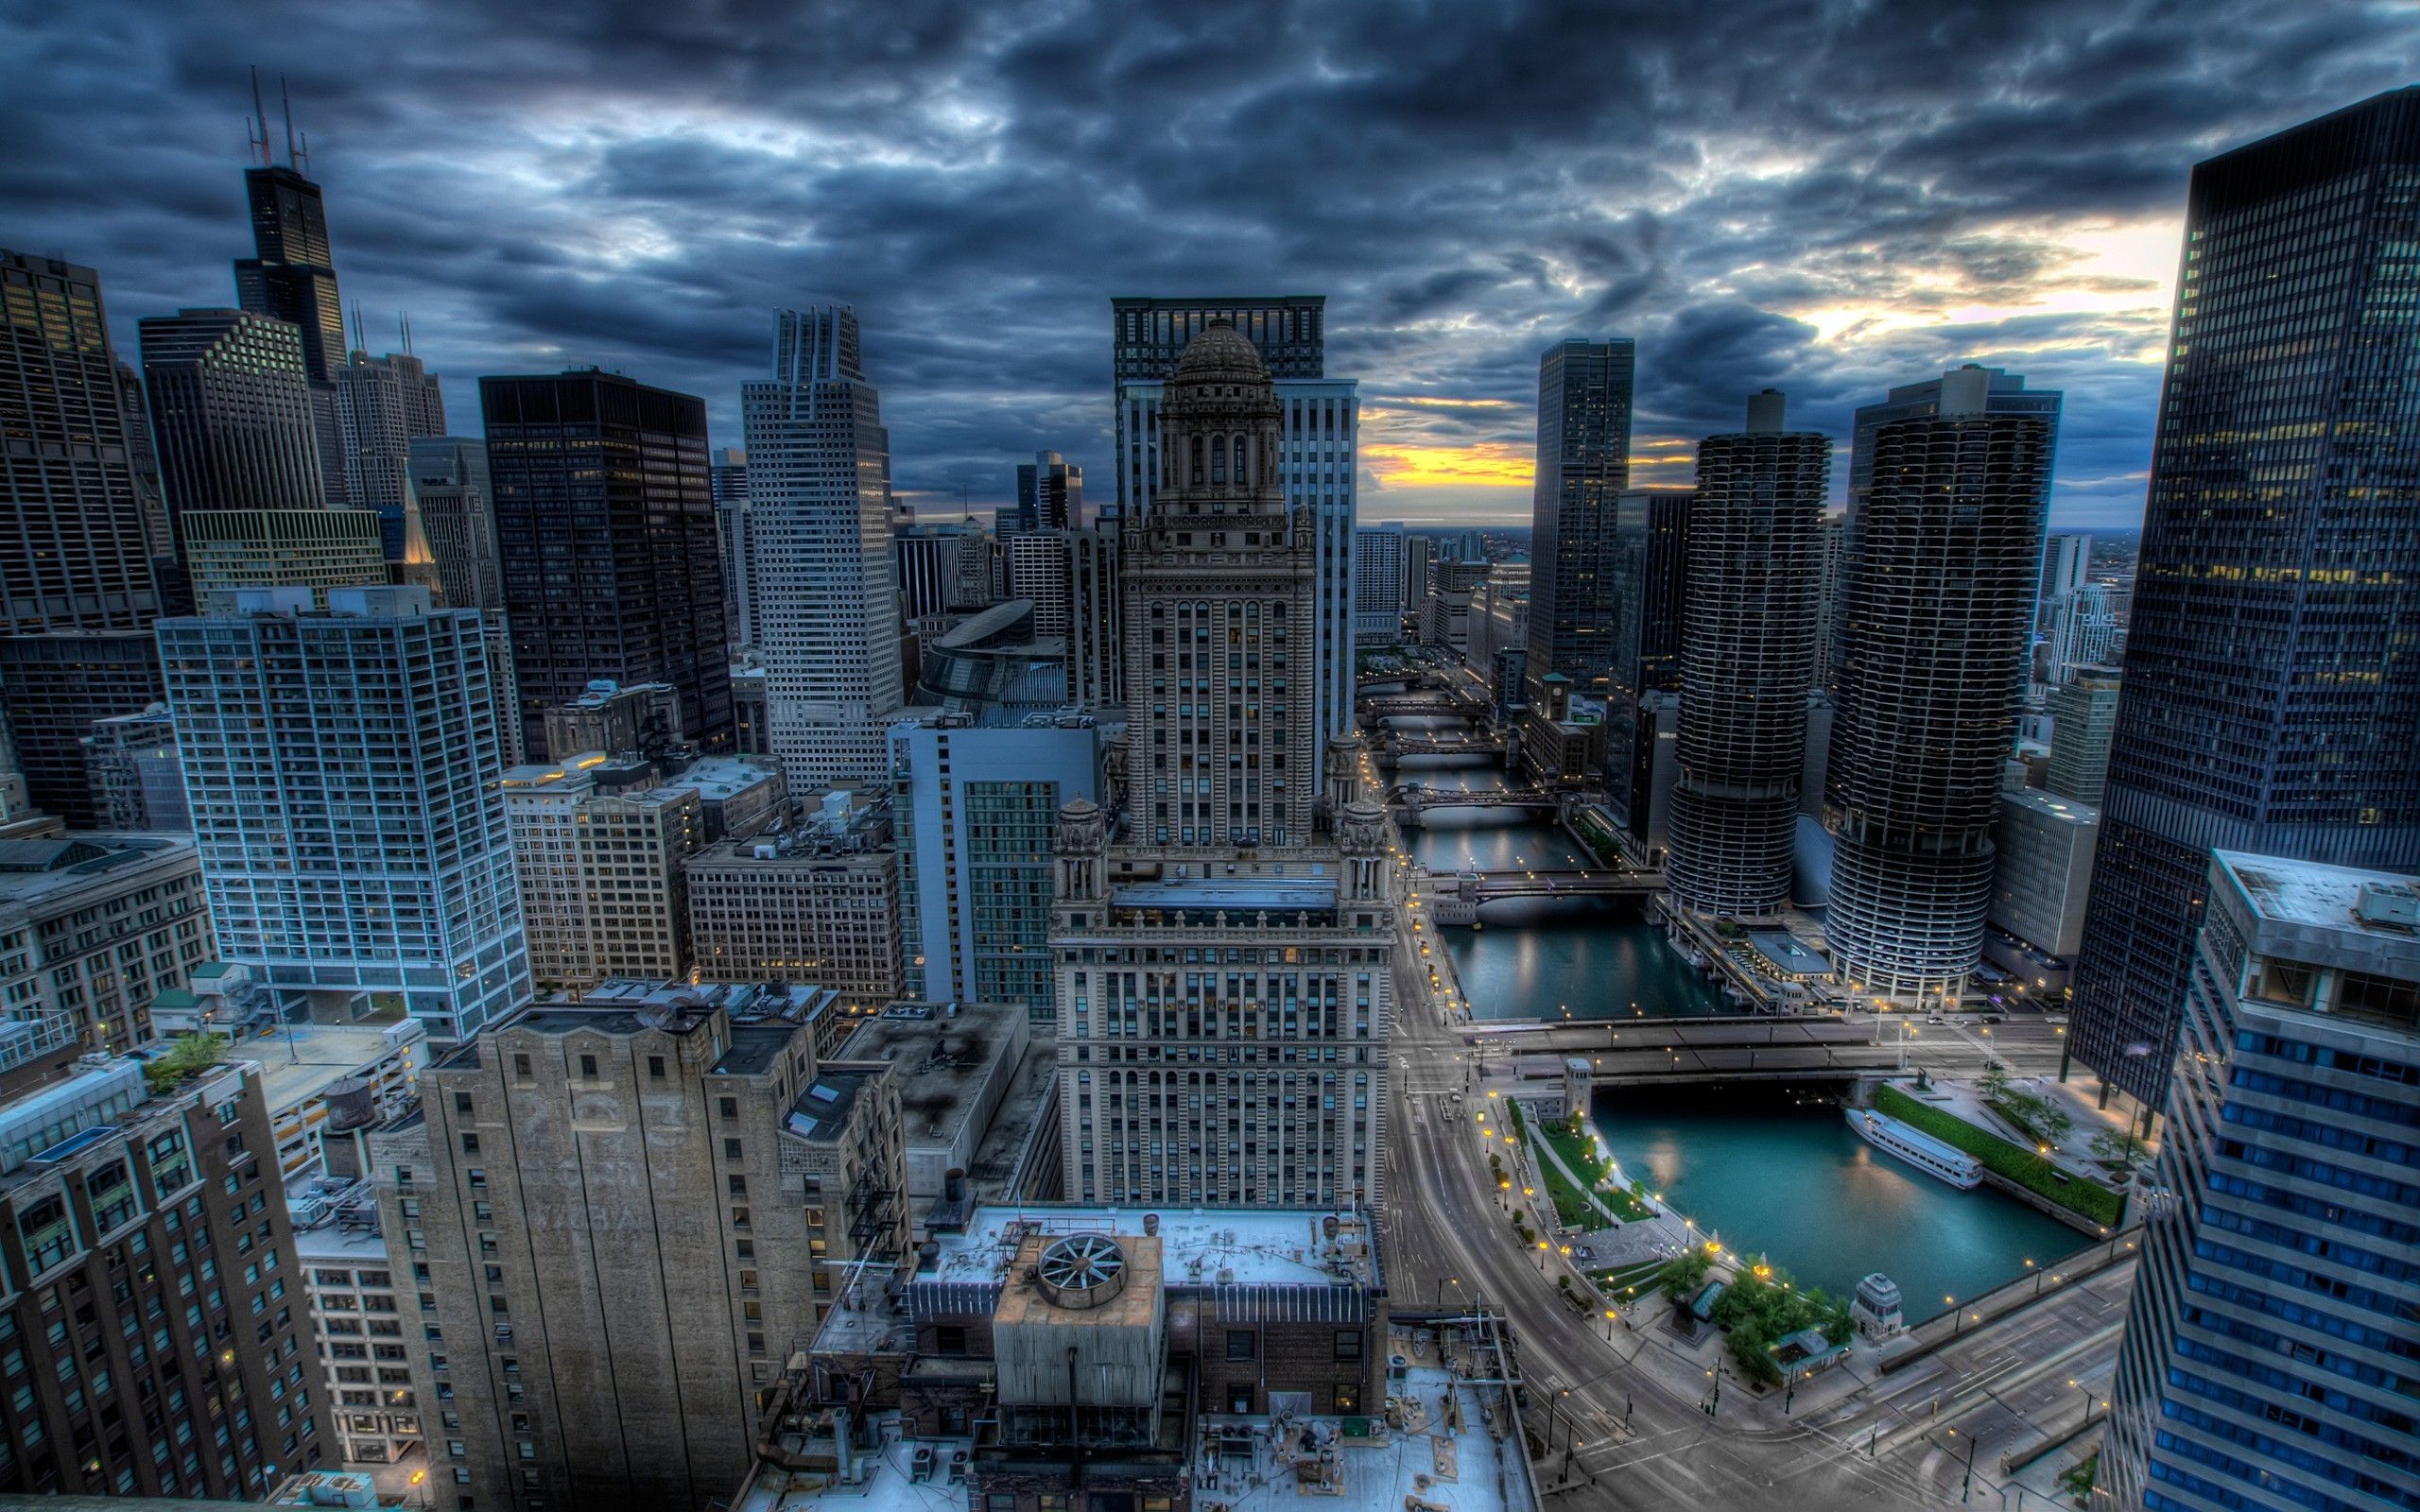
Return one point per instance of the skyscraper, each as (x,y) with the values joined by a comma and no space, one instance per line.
(2004,393)
(1650,579)
(232,412)
(1938,609)
(2271,691)
(975,808)
(292,277)
(629,1211)
(605,527)
(342,766)
(1319,470)
(383,406)
(1220,860)
(74,546)
(1748,651)
(727,478)
(53,688)
(1050,496)
(826,609)
(1377,584)
(146,1218)
(455,502)
(2084,715)
(1584,466)
(2266,1355)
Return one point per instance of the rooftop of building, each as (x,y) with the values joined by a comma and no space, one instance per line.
(999,1164)
(1444,1439)
(753,1049)
(823,1109)
(2380,906)
(945,1052)
(2050,805)
(1200,1247)
(335,1220)
(299,1062)
(1787,953)
(33,873)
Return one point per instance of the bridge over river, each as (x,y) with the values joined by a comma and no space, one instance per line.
(1642,1052)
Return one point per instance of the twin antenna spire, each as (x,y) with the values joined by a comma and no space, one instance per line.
(256,130)
(361,331)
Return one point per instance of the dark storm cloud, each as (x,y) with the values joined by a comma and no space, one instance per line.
(1827,199)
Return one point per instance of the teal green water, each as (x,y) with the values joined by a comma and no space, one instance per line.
(1775,1170)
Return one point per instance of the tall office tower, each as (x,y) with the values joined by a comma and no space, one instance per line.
(1650,593)
(924,568)
(630,1210)
(1832,557)
(52,690)
(2265,1358)
(605,527)
(1050,496)
(455,501)
(1095,655)
(292,277)
(2083,716)
(1377,584)
(144,461)
(2269,695)
(342,766)
(232,414)
(1584,466)
(819,505)
(137,783)
(1042,572)
(158,1269)
(227,551)
(2004,394)
(1319,468)
(975,808)
(1159,1099)
(1748,652)
(1939,611)
(727,480)
(2083,629)
(383,404)
(2067,564)
(75,548)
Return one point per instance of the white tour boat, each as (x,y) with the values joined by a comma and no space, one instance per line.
(1934,1157)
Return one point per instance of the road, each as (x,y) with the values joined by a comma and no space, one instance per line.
(1900,1442)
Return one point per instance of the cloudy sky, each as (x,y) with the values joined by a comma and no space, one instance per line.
(1826,198)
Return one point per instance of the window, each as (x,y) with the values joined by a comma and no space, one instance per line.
(470,1144)
(949,1338)
(1241,1345)
(1001,1501)
(521,1066)
(655,1068)
(730,1108)
(462,1102)
(588,1067)
(739,1186)
(1348,1344)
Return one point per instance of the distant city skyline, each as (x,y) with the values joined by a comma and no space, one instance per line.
(2003,204)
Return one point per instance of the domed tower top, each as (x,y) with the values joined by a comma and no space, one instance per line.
(1220,428)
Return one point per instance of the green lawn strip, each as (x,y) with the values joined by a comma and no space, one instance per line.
(1579,1151)
(2020,1165)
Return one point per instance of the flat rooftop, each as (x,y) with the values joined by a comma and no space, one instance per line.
(999,1160)
(753,1048)
(944,1059)
(2050,805)
(2309,892)
(299,1062)
(1787,953)
(34,872)
(1199,1247)
(822,1110)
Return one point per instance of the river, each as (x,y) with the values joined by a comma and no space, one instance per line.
(1771,1169)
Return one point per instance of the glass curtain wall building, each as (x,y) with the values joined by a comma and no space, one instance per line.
(2272,688)
(2268,1360)
(1584,466)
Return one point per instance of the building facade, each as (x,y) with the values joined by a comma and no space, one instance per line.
(383,406)
(976,809)
(228,551)
(622,1219)
(1268,1078)
(1582,467)
(233,413)
(818,902)
(2275,554)
(1642,713)
(1378,584)
(1747,653)
(605,527)
(455,501)
(76,545)
(149,1259)
(2083,718)
(2042,872)
(1050,496)
(55,689)
(292,277)
(825,609)
(2265,1347)
(342,768)
(95,928)
(1943,566)
(137,783)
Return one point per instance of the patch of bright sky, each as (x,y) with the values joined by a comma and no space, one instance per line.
(2125,271)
